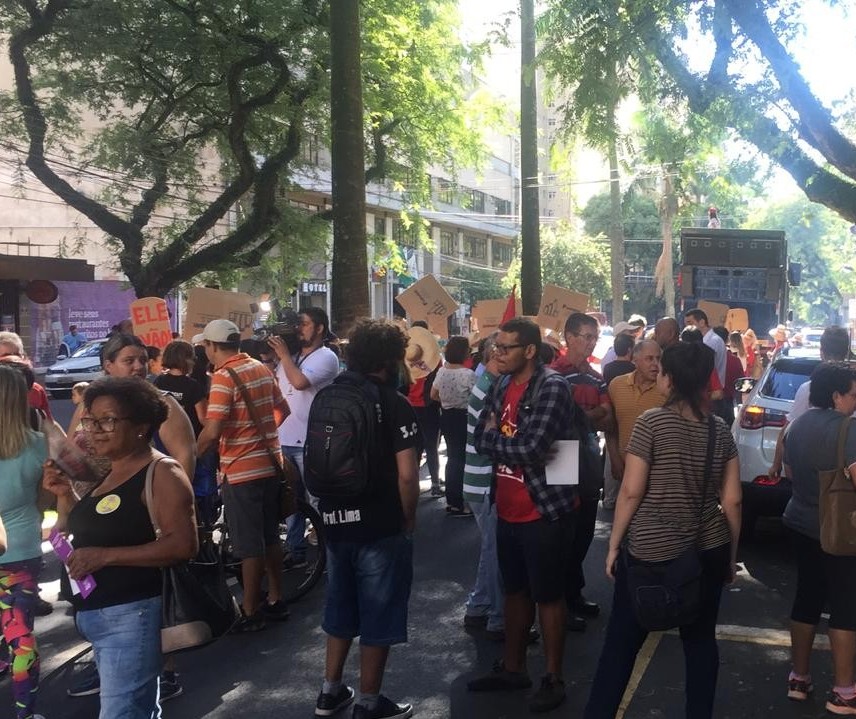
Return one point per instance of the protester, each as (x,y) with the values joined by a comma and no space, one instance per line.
(735,345)
(631,329)
(451,389)
(370,556)
(525,412)
(623,362)
(12,350)
(779,335)
(811,446)
(698,318)
(115,542)
(155,362)
(666,332)
(250,483)
(22,453)
(423,363)
(74,340)
(733,372)
(300,376)
(591,396)
(753,365)
(659,515)
(484,603)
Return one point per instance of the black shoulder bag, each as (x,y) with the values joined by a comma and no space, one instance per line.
(665,595)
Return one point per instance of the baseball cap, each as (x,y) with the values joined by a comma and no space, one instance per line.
(621,327)
(218,331)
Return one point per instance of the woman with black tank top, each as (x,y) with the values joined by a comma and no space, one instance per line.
(114,541)
(668,502)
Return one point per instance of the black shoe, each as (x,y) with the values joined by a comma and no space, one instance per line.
(549,695)
(87,683)
(576,623)
(42,608)
(385,709)
(289,562)
(475,621)
(584,607)
(330,704)
(170,687)
(500,680)
(437,491)
(246,624)
(498,635)
(277,612)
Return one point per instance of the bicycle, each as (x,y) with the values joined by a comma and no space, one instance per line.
(299,579)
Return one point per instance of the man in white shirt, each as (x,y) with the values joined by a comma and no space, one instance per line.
(698,318)
(300,376)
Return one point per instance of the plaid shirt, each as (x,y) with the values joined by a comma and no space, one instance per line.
(543,416)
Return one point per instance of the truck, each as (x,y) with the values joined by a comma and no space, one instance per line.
(744,269)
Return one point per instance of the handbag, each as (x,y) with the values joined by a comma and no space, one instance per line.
(285,472)
(665,595)
(198,606)
(837,504)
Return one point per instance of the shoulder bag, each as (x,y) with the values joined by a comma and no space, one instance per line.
(837,503)
(665,595)
(198,606)
(285,472)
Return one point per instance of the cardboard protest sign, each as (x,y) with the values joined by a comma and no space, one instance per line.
(716,312)
(737,320)
(151,321)
(488,314)
(205,304)
(557,304)
(428,300)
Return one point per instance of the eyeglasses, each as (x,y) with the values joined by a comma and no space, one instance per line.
(105,424)
(502,349)
(587,338)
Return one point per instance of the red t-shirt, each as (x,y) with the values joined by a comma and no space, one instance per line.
(416,392)
(513,503)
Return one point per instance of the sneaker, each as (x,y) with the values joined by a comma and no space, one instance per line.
(500,680)
(289,562)
(385,709)
(799,689)
(437,491)
(278,611)
(88,683)
(837,704)
(475,621)
(42,608)
(549,695)
(245,624)
(170,688)
(329,704)
(584,608)
(458,512)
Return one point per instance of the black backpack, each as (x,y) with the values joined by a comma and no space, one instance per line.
(343,438)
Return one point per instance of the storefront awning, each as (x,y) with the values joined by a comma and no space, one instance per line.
(17,267)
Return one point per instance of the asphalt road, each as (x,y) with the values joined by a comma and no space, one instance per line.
(277,673)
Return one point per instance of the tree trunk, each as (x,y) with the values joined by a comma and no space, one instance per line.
(616,230)
(530,241)
(668,210)
(349,282)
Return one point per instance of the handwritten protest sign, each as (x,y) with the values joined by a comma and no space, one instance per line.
(737,320)
(151,321)
(428,300)
(716,312)
(488,314)
(557,304)
(205,304)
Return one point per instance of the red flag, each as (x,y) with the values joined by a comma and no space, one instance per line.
(511,308)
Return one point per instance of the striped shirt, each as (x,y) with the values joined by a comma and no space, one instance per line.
(243,453)
(667,520)
(478,470)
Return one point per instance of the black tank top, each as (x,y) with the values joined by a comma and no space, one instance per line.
(116,519)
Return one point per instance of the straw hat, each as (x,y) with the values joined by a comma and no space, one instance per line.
(423,352)
(780,333)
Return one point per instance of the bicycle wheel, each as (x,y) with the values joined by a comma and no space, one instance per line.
(305,554)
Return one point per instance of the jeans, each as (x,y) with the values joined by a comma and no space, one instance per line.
(624,639)
(296,539)
(454,425)
(126,641)
(586,520)
(428,439)
(487,597)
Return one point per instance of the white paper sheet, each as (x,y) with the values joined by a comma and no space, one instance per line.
(564,468)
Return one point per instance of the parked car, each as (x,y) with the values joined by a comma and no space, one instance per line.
(756,429)
(811,336)
(84,365)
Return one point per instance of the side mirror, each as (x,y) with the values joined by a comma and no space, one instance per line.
(61,357)
(744,384)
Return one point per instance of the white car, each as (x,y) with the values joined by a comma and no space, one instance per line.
(83,366)
(811,336)
(756,430)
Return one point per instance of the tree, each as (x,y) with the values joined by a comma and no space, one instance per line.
(778,112)
(204,109)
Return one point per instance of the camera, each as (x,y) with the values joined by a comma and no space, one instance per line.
(286,327)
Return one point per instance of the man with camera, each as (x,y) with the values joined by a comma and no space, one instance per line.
(305,366)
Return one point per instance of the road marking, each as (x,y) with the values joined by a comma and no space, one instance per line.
(643,659)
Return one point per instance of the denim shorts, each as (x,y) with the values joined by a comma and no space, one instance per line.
(534,556)
(127,645)
(368,588)
(252,511)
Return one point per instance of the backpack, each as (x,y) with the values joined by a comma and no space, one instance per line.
(343,439)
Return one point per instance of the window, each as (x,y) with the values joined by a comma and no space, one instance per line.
(448,243)
(380,226)
(475,248)
(502,253)
(551,122)
(477,201)
(502,207)
(447,192)
(403,236)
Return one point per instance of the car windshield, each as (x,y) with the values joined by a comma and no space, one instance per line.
(786,376)
(92,349)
